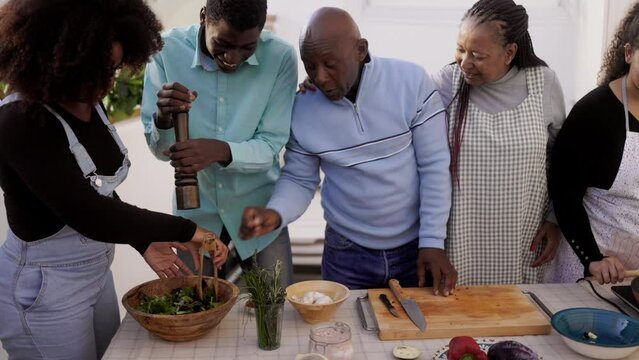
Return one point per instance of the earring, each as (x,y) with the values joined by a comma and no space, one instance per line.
(628,57)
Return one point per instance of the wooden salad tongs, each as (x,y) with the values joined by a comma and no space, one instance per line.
(631,273)
(208,244)
(626,274)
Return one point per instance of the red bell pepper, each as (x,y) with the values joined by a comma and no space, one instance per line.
(465,348)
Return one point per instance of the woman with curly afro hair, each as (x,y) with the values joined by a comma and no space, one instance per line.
(60,162)
(594,176)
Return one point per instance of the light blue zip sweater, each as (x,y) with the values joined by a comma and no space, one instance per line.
(385,159)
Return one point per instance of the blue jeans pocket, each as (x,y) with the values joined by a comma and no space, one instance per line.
(30,287)
(336,241)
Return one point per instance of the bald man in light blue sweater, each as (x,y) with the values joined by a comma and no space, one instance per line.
(377,130)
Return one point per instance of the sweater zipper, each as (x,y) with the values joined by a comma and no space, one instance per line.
(358,119)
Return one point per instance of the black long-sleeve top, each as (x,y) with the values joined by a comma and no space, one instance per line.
(587,153)
(44,188)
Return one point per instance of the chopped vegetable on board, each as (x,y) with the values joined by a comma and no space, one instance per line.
(589,335)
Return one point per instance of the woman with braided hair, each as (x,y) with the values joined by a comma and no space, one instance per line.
(505,107)
(594,176)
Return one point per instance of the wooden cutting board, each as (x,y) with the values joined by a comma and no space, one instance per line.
(495,310)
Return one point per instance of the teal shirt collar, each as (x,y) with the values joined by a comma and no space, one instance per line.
(208,64)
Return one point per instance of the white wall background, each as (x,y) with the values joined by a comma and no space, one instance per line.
(570,35)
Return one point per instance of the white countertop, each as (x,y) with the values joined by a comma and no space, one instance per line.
(236,337)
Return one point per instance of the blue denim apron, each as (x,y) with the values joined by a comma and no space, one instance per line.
(57,298)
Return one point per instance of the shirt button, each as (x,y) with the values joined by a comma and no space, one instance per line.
(219,185)
(221,99)
(219,128)
(221,211)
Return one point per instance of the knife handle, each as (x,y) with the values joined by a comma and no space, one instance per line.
(386,302)
(393,284)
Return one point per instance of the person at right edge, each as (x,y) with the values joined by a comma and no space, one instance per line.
(594,174)
(505,109)
(386,190)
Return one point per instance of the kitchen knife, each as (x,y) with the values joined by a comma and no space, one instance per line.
(388,305)
(410,305)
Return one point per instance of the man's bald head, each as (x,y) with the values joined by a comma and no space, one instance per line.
(330,22)
(333,52)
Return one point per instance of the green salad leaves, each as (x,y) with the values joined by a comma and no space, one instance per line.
(180,301)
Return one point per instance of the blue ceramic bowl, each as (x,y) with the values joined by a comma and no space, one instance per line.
(617,334)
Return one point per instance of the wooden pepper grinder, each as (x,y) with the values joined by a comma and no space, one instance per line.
(186,189)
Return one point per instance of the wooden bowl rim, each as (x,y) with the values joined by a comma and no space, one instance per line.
(135,289)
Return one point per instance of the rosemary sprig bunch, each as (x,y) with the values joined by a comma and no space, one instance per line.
(264,284)
(264,289)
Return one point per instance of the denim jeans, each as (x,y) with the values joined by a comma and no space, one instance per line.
(57,299)
(358,267)
(279,249)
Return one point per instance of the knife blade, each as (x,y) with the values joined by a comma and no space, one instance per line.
(409,305)
(388,305)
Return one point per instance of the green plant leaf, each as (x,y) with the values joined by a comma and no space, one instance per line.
(3,89)
(125,95)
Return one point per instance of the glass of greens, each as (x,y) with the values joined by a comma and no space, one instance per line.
(266,293)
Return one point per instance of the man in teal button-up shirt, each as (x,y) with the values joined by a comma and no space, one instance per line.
(238,84)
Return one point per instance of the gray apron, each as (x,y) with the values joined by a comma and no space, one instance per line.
(502,198)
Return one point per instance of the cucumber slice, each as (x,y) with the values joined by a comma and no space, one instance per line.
(406,352)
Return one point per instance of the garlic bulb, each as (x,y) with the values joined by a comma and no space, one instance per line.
(323,300)
(314,297)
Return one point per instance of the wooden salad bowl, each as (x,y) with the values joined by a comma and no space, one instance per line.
(183,327)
